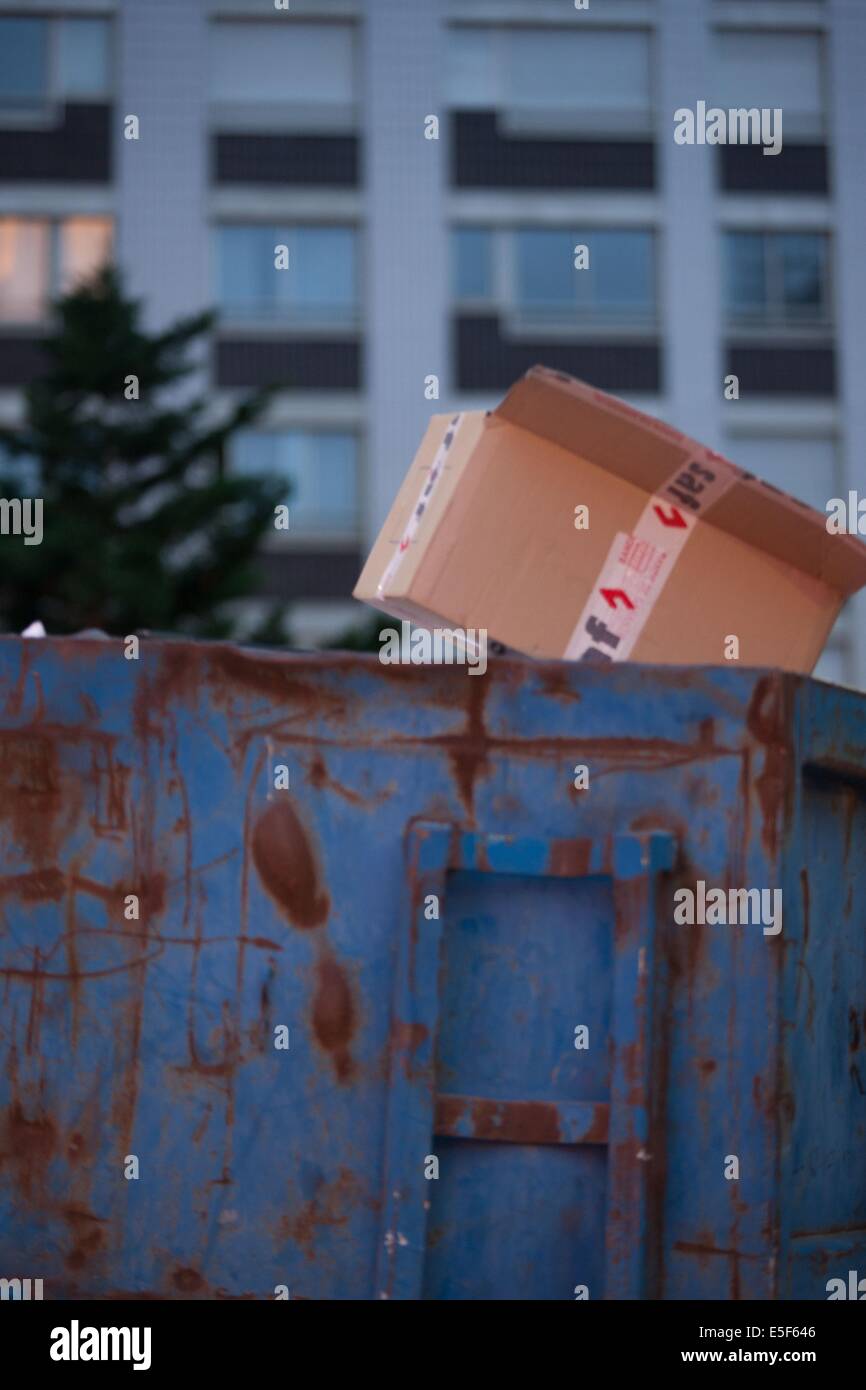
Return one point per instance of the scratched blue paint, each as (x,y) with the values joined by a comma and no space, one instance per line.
(432,911)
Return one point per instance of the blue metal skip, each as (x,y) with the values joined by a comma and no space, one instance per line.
(509,1073)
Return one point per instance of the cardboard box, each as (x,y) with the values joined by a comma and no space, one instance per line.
(679,550)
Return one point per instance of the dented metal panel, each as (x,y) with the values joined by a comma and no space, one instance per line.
(426,914)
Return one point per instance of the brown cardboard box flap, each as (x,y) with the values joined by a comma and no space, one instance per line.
(645,451)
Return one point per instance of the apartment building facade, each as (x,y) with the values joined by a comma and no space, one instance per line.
(430,167)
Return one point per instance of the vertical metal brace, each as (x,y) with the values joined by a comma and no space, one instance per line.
(411,1089)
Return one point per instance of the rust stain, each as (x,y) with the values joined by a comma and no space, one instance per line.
(37,1004)
(570,858)
(704,1246)
(743,815)
(40,885)
(530,1121)
(225,1042)
(449,1112)
(468,755)
(89,1244)
(768,720)
(110,779)
(301,686)
(513,1121)
(74,976)
(758,1091)
(178,673)
(42,799)
(87,1232)
(31,1144)
(51,883)
(319,777)
(151,895)
(202,1124)
(628,1056)
(686,950)
(269,677)
(27,1146)
(599,1129)
(330,1206)
(556,679)
(468,750)
(434,1236)
(287,866)
(15,693)
(128,1023)
(297,690)
(187,1280)
(334,1016)
(75,1147)
(31,798)
(406,1038)
(605,755)
(853,1030)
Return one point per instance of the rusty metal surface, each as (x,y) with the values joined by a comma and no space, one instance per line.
(153,1037)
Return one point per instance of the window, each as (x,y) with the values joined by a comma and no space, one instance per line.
(40,259)
(320,468)
(318,288)
(82,58)
(777,279)
(45,60)
(24,268)
(473,264)
(534,269)
(83,247)
(552,77)
(302,64)
(23,61)
(618,284)
(805,468)
(779,69)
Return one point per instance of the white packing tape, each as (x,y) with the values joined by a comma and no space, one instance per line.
(433,476)
(639,564)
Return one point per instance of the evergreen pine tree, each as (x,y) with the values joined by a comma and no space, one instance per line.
(143,527)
